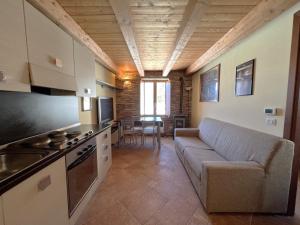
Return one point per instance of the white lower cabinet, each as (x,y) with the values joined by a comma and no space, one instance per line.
(40,199)
(104,153)
(1,212)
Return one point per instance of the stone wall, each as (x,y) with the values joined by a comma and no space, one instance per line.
(128,99)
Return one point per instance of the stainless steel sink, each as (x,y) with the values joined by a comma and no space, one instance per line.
(13,162)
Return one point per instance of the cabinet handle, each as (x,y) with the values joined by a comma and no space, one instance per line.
(2,76)
(105,135)
(105,147)
(106,158)
(58,63)
(44,183)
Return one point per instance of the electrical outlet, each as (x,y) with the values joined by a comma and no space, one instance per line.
(271,121)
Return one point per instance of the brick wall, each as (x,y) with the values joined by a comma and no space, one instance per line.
(128,99)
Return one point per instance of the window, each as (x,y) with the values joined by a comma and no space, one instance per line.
(155,97)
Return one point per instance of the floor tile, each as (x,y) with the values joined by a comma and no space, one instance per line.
(175,212)
(144,204)
(115,215)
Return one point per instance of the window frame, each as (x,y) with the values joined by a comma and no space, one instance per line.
(154,81)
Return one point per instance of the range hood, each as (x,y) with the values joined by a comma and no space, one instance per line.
(43,77)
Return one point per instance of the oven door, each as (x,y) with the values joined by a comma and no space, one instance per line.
(81,174)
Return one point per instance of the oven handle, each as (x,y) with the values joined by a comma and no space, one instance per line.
(82,158)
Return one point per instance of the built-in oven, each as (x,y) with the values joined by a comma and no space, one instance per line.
(81,172)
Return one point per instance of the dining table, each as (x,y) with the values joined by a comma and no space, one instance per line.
(156,119)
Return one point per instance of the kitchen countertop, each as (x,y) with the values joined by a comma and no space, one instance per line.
(18,177)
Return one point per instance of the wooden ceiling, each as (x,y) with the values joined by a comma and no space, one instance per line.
(97,19)
(219,18)
(156,25)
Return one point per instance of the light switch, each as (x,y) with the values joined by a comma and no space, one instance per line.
(270,111)
(271,121)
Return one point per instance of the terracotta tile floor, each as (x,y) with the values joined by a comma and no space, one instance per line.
(151,187)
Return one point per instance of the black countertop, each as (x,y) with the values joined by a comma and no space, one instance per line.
(16,178)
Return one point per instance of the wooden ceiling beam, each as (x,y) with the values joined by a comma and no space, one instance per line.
(256,18)
(194,11)
(123,15)
(55,12)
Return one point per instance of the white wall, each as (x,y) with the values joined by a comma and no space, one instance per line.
(270,46)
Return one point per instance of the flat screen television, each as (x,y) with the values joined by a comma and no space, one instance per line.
(105,109)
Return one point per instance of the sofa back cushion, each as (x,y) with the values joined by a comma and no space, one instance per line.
(209,130)
(236,143)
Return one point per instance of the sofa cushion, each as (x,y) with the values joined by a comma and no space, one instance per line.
(195,158)
(191,142)
(236,143)
(209,130)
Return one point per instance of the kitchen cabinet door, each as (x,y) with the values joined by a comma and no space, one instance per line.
(104,155)
(49,49)
(13,50)
(84,70)
(39,200)
(1,212)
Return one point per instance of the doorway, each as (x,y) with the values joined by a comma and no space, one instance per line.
(292,116)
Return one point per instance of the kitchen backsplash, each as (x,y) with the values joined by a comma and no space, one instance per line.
(26,114)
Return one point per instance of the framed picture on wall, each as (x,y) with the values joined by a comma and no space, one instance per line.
(244,78)
(86,104)
(209,85)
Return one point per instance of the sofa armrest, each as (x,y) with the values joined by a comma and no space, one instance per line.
(231,186)
(186,132)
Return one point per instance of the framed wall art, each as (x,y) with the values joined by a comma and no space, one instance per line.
(209,85)
(244,78)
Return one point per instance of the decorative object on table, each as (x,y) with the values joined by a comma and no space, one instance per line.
(244,78)
(209,85)
(86,104)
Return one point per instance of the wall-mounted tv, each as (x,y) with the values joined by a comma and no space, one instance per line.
(105,109)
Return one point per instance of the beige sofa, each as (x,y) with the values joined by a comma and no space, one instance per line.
(235,169)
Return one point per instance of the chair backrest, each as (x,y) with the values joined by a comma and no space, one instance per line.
(127,124)
(149,125)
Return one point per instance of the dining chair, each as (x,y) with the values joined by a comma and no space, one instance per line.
(150,128)
(128,130)
(138,127)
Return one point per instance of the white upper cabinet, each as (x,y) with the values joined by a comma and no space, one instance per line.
(50,52)
(84,70)
(39,200)
(14,74)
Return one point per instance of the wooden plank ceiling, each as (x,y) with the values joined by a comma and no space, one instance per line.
(156,24)
(97,19)
(220,17)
